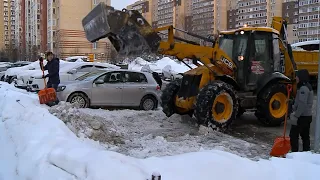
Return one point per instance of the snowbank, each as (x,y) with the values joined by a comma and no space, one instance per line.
(37,145)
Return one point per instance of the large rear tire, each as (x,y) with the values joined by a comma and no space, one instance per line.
(272,105)
(217,104)
(168,96)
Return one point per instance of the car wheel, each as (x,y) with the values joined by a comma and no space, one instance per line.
(2,78)
(148,103)
(80,99)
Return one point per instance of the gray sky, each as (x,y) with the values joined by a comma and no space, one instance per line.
(120,4)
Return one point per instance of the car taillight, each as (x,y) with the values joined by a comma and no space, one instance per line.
(158,88)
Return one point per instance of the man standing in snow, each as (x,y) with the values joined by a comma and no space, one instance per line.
(301,117)
(53,67)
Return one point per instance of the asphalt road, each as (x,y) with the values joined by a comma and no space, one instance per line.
(248,128)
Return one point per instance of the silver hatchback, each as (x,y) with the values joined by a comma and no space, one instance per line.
(119,88)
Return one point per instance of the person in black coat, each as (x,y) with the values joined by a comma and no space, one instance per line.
(157,78)
(53,67)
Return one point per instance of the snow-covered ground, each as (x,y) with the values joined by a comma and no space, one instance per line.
(144,134)
(36,144)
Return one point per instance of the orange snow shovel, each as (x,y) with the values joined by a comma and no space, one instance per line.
(46,95)
(281,144)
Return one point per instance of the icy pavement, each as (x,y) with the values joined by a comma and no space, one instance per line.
(144,134)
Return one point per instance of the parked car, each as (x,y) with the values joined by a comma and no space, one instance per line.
(120,88)
(20,76)
(68,72)
(77,58)
(17,67)
(7,65)
(169,73)
(152,68)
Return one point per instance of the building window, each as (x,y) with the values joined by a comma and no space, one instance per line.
(95,45)
(53,10)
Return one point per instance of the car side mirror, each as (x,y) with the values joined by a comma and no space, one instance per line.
(99,81)
(73,71)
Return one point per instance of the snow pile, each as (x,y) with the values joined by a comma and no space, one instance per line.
(137,64)
(36,145)
(175,65)
(144,134)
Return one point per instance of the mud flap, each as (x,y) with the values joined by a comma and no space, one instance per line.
(127,30)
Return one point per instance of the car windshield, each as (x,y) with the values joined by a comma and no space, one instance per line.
(234,44)
(89,75)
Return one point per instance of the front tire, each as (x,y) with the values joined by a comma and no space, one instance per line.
(272,105)
(79,98)
(217,103)
(168,97)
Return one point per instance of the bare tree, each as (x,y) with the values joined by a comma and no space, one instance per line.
(34,53)
(11,52)
(76,51)
(113,56)
(58,39)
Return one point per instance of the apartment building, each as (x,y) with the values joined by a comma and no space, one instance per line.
(290,11)
(65,34)
(144,7)
(309,20)
(209,16)
(2,25)
(7,25)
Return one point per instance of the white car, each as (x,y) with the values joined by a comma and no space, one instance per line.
(152,68)
(21,77)
(169,73)
(12,74)
(68,72)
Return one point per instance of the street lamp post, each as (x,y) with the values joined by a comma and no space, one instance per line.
(317,124)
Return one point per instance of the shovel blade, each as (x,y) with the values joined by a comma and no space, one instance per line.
(281,147)
(127,30)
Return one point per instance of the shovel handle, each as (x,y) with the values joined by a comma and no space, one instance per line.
(44,79)
(289,89)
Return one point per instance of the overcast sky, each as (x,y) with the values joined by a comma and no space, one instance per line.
(120,4)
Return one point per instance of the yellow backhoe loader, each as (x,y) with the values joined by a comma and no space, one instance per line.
(245,69)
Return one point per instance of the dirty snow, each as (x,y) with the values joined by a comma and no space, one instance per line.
(37,145)
(145,134)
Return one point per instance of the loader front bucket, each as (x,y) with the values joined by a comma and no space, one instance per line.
(127,30)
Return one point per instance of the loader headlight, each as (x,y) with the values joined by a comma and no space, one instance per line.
(61,88)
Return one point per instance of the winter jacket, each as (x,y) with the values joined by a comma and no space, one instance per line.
(53,68)
(157,78)
(304,99)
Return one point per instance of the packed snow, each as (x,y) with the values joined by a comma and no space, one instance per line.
(36,144)
(164,64)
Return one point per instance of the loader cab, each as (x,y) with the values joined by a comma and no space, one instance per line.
(255,53)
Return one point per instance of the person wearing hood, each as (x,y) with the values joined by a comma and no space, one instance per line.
(301,117)
(157,78)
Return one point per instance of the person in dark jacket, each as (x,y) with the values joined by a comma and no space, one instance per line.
(157,78)
(301,117)
(53,67)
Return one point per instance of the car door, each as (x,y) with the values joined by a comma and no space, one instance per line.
(134,88)
(110,92)
(83,69)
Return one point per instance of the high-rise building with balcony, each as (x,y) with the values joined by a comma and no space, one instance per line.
(144,7)
(66,36)
(7,25)
(309,20)
(290,11)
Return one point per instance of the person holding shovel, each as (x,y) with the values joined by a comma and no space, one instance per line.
(301,117)
(53,67)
